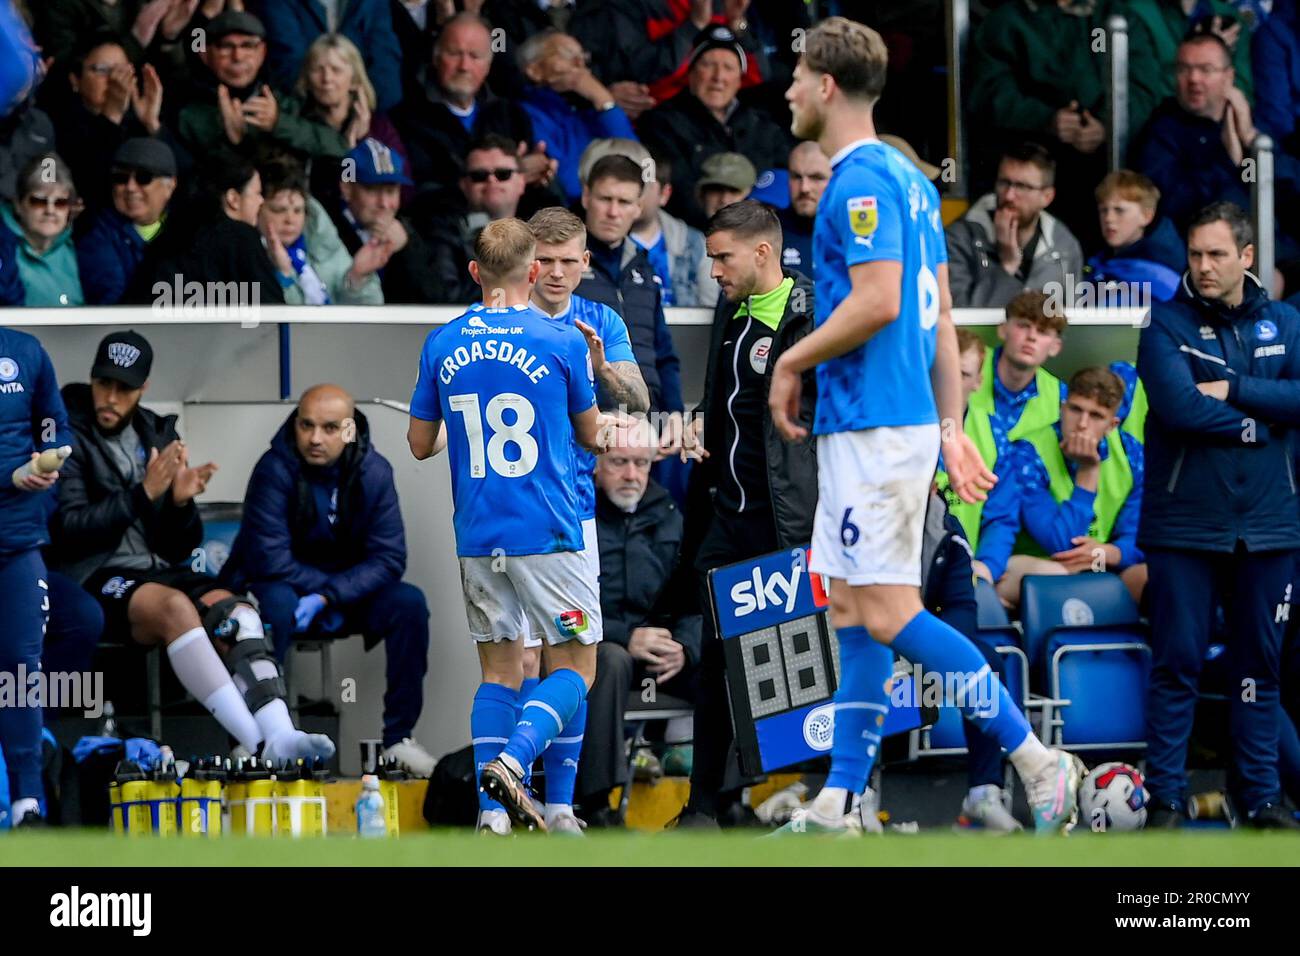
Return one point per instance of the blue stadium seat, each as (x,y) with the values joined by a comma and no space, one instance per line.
(946,735)
(220,526)
(1084,633)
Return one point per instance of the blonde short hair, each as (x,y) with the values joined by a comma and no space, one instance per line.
(504,249)
(555,226)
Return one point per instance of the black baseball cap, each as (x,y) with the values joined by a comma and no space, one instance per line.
(124,357)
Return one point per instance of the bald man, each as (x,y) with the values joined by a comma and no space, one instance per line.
(810,171)
(322,548)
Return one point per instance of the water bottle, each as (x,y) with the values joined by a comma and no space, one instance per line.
(108,723)
(370,809)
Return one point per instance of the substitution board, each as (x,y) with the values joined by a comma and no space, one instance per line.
(783,661)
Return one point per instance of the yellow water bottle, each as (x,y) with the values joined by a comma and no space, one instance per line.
(133,800)
(390,775)
(237,799)
(200,803)
(260,802)
(164,793)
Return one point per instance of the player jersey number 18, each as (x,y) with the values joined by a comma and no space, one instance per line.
(503,434)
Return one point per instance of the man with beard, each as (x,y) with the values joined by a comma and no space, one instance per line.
(126,528)
(1006,243)
(810,171)
(322,548)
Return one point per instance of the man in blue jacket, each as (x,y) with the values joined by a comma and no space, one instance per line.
(321,545)
(32,419)
(1221,366)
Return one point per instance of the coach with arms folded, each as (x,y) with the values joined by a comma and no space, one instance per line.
(1221,365)
(322,548)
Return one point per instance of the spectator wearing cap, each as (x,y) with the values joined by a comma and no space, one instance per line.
(451,107)
(1007,243)
(143,177)
(215,242)
(675,250)
(305,244)
(336,91)
(489,189)
(707,118)
(293,25)
(1194,145)
(235,111)
(41,219)
(370,195)
(568,106)
(810,171)
(621,276)
(724,178)
(652,42)
(111,102)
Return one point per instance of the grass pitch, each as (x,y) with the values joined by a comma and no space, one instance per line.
(460,848)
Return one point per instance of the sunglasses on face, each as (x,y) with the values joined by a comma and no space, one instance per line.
(228,47)
(142,177)
(503,174)
(61,203)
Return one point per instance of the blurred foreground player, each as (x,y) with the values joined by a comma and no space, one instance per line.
(514,389)
(32,419)
(887,371)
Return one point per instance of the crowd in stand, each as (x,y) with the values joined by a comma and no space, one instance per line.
(350,151)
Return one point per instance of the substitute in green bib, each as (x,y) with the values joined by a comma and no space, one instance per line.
(989,526)
(1080,485)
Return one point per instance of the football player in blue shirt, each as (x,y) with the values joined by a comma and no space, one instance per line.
(513,389)
(562,254)
(887,376)
(32,419)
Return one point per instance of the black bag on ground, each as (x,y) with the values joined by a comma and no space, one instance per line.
(452,797)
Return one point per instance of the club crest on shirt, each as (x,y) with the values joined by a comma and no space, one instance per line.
(862,215)
(8,369)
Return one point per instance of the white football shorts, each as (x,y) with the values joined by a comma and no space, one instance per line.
(873,486)
(555,596)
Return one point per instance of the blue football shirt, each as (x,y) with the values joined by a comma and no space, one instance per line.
(504,383)
(610,327)
(879,207)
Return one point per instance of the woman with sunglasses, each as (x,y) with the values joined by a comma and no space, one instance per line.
(41,217)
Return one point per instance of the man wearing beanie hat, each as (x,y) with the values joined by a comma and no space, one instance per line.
(706,118)
(126,529)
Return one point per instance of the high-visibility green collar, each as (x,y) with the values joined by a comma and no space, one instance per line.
(768,307)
